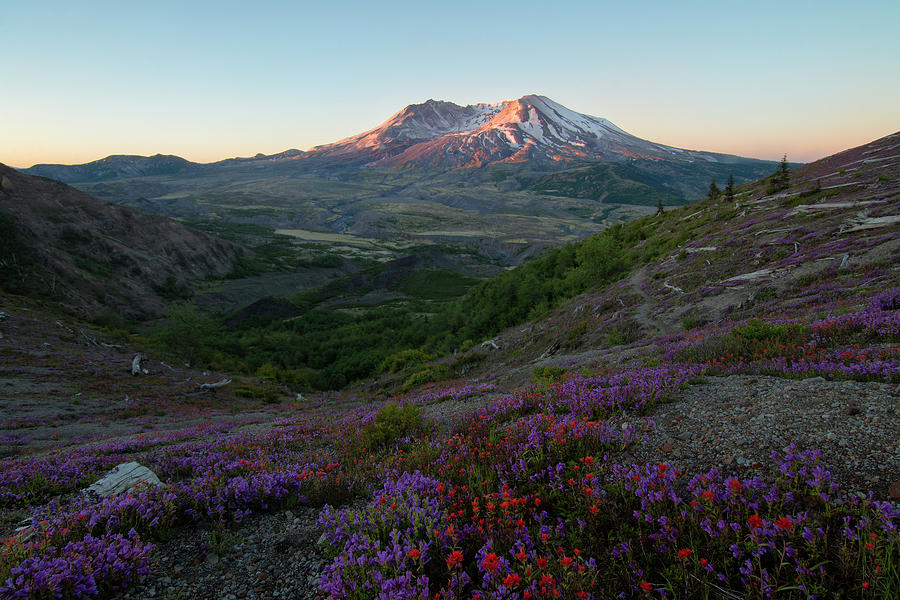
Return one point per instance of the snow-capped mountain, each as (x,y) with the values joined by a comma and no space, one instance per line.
(534,132)
(532,128)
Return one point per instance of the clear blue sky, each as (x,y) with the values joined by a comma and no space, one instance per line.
(210,80)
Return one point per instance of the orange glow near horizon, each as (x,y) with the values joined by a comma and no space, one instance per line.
(797,150)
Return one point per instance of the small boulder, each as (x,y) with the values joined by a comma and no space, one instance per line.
(894,491)
(120,479)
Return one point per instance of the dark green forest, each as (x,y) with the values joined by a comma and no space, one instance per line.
(327,348)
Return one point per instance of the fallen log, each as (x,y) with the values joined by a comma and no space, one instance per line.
(673,287)
(490,344)
(206,387)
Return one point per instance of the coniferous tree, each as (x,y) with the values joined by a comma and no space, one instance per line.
(781,179)
(729,189)
(714,191)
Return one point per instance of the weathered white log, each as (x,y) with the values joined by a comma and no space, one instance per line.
(673,287)
(554,347)
(490,344)
(92,341)
(782,229)
(136,368)
(865,222)
(690,215)
(751,276)
(205,387)
(844,260)
(120,479)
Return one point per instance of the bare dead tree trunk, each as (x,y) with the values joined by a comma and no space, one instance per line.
(136,368)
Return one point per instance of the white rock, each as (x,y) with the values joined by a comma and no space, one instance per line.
(122,478)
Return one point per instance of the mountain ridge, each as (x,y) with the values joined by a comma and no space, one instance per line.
(435,134)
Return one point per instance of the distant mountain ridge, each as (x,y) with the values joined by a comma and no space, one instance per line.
(117,166)
(438,134)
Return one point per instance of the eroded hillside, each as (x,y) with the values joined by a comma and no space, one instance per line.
(93,256)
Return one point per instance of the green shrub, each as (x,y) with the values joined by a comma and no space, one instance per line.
(189,335)
(391,423)
(765,294)
(759,331)
(466,362)
(691,321)
(550,374)
(404,359)
(573,336)
(266,393)
(293,378)
(268,372)
(427,374)
(623,333)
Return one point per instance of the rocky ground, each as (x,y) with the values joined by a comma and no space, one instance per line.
(736,422)
(266,556)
